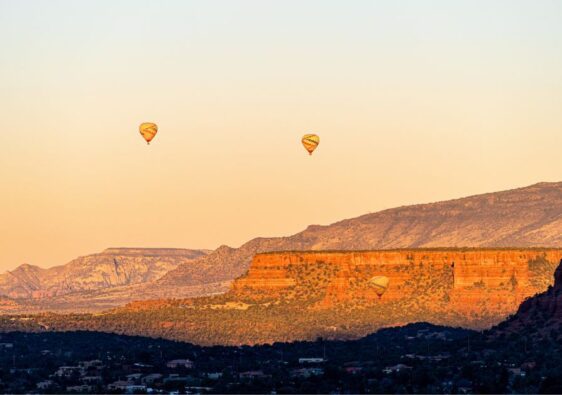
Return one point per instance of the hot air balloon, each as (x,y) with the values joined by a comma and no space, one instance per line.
(310,142)
(148,130)
(380,284)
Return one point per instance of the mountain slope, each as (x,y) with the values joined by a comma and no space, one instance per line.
(539,317)
(524,217)
(111,268)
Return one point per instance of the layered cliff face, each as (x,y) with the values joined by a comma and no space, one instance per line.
(524,217)
(111,268)
(468,281)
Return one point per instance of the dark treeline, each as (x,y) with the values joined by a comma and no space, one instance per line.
(417,358)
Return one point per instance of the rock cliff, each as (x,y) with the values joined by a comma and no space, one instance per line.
(111,268)
(497,280)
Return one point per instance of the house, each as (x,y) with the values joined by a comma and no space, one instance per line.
(441,356)
(151,378)
(307,372)
(253,374)
(303,361)
(67,371)
(176,378)
(96,363)
(81,389)
(180,363)
(132,388)
(197,390)
(437,357)
(46,384)
(141,366)
(396,368)
(24,370)
(131,378)
(118,386)
(92,380)
(214,375)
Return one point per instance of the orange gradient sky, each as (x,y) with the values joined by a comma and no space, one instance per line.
(414,102)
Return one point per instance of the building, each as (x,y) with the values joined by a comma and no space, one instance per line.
(253,374)
(92,380)
(311,360)
(81,389)
(96,363)
(307,372)
(44,385)
(176,378)
(151,378)
(142,366)
(132,388)
(118,386)
(131,378)
(437,358)
(396,368)
(67,371)
(180,363)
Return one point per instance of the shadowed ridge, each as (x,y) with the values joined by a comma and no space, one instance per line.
(538,317)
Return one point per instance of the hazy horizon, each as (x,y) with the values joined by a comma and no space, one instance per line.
(414,102)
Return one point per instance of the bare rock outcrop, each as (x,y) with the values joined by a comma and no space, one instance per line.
(111,268)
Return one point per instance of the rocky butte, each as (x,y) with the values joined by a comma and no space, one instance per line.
(468,280)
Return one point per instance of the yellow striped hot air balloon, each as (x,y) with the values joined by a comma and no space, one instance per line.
(380,284)
(148,130)
(310,142)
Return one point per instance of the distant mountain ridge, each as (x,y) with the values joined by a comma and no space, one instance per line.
(524,217)
(111,268)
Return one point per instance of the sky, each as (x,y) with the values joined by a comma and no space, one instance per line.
(414,101)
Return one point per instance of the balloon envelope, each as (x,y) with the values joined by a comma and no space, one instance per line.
(148,130)
(380,284)
(310,142)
